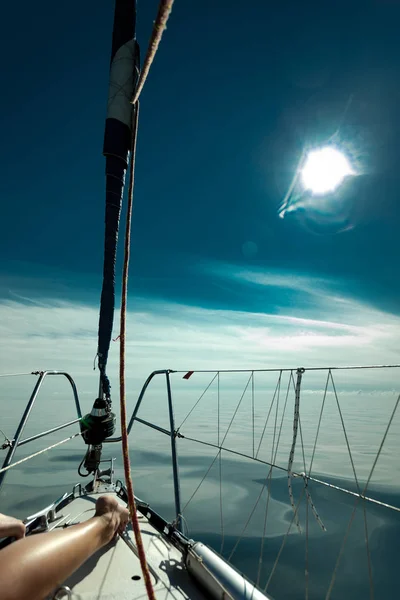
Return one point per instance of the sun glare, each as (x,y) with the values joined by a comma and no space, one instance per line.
(324,170)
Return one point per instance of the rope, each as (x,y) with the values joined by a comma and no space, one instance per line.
(71,437)
(175,523)
(122,336)
(164,10)
(311,503)
(297,425)
(308,494)
(159,26)
(302,444)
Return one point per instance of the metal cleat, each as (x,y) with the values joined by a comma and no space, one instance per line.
(43,518)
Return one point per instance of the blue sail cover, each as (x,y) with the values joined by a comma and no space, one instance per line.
(124,72)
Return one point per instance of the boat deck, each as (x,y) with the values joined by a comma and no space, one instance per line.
(114,571)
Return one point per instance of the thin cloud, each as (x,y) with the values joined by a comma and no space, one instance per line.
(271,278)
(169,335)
(322,300)
(63,335)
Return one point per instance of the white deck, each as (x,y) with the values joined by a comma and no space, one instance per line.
(114,571)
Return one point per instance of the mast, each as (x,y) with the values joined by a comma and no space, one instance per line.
(124,72)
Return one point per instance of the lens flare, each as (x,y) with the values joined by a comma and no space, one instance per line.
(324,170)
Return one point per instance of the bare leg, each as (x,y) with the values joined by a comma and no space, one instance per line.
(34,566)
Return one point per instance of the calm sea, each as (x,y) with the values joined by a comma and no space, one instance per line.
(222,509)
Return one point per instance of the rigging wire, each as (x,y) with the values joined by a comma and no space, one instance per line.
(294,439)
(269,412)
(221,510)
(306,567)
(220,447)
(261,556)
(288,369)
(252,408)
(306,477)
(294,474)
(16,374)
(307,491)
(18,462)
(296,508)
(240,537)
(359,497)
(198,400)
(319,423)
(7,441)
(357,485)
(164,10)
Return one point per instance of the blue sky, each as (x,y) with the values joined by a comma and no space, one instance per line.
(218,279)
(235,95)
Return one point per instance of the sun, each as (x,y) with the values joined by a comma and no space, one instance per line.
(324,170)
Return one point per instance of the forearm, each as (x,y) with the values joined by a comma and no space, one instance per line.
(34,566)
